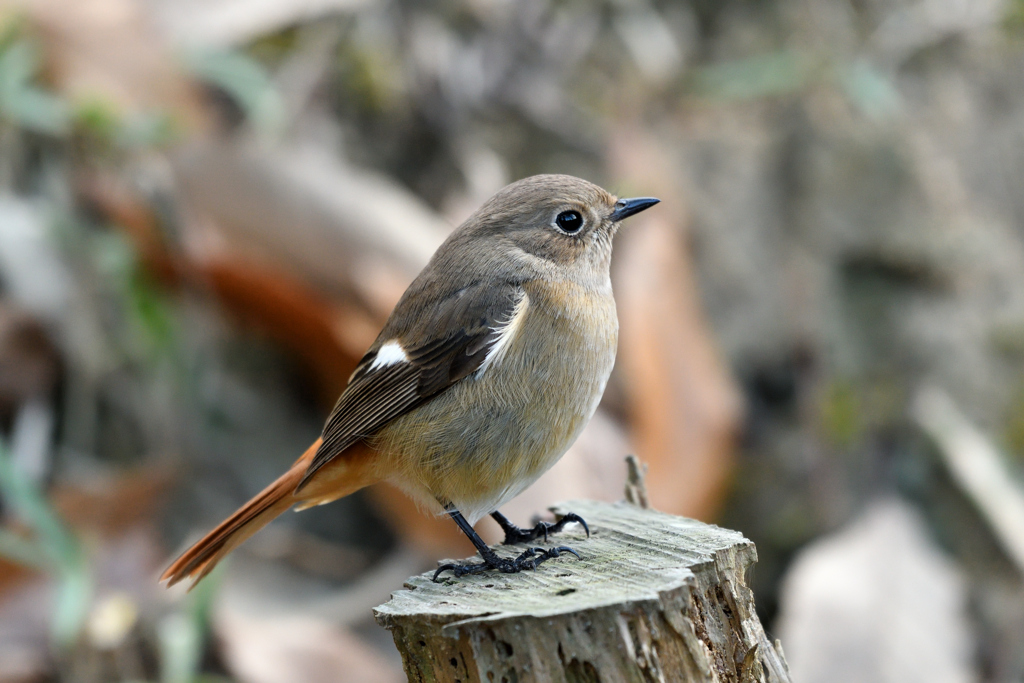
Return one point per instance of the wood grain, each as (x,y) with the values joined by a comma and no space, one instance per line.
(655,598)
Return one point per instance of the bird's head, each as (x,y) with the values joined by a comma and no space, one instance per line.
(560,219)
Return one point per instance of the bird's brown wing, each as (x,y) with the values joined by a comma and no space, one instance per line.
(446,341)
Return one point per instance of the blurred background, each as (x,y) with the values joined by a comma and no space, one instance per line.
(209,207)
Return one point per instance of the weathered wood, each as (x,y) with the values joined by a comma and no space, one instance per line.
(655,598)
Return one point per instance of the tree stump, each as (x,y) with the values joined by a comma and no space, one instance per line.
(655,598)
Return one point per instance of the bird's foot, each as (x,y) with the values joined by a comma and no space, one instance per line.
(531,558)
(514,534)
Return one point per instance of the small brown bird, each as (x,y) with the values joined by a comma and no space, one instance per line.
(489,367)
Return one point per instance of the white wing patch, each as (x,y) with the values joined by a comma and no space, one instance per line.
(389,354)
(507,331)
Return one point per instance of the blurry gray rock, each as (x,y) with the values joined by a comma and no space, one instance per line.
(876,602)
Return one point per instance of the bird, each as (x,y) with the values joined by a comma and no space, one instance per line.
(485,373)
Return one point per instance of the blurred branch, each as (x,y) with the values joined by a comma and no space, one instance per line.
(683,403)
(30,438)
(308,64)
(976,466)
(233,22)
(348,230)
(915,26)
(636,487)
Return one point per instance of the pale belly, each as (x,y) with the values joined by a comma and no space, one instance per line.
(485,439)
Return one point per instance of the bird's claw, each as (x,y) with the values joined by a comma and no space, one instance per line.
(514,534)
(531,558)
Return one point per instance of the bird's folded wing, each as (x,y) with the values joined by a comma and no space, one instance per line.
(444,342)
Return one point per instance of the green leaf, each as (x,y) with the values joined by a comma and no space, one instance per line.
(779,73)
(870,90)
(31,507)
(181,635)
(38,111)
(22,102)
(12,25)
(21,550)
(151,129)
(245,80)
(57,549)
(98,117)
(18,63)
(74,597)
(181,643)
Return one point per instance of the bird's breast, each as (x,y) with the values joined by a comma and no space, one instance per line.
(489,436)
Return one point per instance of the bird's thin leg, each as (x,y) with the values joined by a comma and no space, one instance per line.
(529,559)
(514,534)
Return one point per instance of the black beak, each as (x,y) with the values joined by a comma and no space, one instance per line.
(624,208)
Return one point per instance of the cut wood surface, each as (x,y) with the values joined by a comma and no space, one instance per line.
(655,597)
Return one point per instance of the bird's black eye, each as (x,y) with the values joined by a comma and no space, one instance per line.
(569,222)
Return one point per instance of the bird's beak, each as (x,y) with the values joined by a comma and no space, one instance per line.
(624,208)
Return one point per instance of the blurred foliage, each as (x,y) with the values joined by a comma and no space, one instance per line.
(870,90)
(245,81)
(782,73)
(841,414)
(53,549)
(21,102)
(182,636)
(844,175)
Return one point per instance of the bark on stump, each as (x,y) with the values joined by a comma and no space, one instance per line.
(655,598)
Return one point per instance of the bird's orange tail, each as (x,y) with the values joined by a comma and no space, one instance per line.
(201,558)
